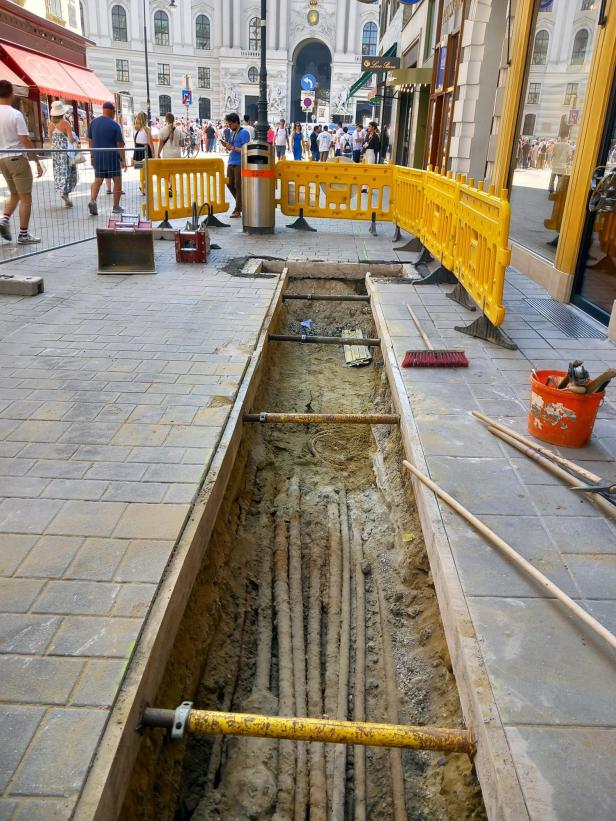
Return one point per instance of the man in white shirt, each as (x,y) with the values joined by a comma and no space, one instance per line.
(15,167)
(249,128)
(281,140)
(325,141)
(359,136)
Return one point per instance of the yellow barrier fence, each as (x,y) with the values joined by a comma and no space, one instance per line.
(173,186)
(481,250)
(439,218)
(408,199)
(335,190)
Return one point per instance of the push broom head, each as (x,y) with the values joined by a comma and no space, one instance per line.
(435,359)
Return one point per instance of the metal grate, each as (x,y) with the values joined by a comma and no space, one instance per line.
(566,319)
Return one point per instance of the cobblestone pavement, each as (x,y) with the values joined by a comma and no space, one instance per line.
(113,395)
(552,679)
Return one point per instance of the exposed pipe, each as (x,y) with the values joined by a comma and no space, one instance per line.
(328,297)
(325,340)
(322,418)
(324,730)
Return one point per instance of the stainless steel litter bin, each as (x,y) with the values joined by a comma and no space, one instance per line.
(258,187)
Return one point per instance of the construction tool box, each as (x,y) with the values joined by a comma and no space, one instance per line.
(192,246)
(126,246)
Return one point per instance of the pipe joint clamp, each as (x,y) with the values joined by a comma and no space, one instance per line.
(262,417)
(180,719)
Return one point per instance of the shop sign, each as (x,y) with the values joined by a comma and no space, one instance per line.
(380,63)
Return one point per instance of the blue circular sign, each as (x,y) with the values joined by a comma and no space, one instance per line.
(308,82)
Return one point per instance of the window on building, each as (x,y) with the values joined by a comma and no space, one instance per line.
(540,49)
(580,46)
(588,5)
(54,8)
(161,28)
(164,104)
(528,129)
(122,71)
(369,40)
(203,77)
(253,75)
(164,74)
(254,34)
(82,18)
(546,5)
(205,108)
(534,92)
(119,28)
(571,93)
(202,32)
(72,14)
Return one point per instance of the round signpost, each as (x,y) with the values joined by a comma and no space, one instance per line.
(308,82)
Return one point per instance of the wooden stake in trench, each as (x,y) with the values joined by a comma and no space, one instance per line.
(520,561)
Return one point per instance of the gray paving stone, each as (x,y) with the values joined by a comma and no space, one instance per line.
(144,561)
(98,559)
(162,455)
(137,435)
(76,598)
(87,518)
(135,492)
(191,473)
(21,516)
(50,557)
(85,489)
(25,487)
(456,436)
(594,574)
(13,549)
(17,595)
(117,471)
(56,469)
(17,726)
(95,636)
(37,680)
(53,767)
(46,451)
(189,436)
(151,521)
(26,633)
(8,809)
(102,453)
(38,431)
(45,809)
(14,467)
(98,684)
(134,600)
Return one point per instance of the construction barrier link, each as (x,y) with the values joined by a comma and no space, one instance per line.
(439,217)
(174,185)
(408,199)
(335,190)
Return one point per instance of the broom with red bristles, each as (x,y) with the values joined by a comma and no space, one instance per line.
(431,358)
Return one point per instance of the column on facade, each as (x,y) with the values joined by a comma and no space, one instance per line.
(136,23)
(352,46)
(272,25)
(341,25)
(282,32)
(103,14)
(237,24)
(226,25)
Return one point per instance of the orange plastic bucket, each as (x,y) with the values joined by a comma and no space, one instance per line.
(561,416)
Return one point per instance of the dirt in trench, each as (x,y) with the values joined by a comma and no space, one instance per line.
(316,559)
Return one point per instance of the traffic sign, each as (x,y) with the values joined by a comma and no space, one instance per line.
(309,82)
(186,96)
(307,101)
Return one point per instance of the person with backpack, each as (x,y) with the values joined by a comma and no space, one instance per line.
(346,143)
(171,140)
(314,142)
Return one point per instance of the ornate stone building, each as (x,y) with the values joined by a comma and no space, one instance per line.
(217,45)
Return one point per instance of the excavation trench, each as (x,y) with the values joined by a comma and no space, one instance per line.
(314,598)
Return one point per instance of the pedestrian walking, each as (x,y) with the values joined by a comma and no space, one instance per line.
(105,133)
(372,143)
(324,141)
(210,137)
(346,143)
(314,142)
(384,143)
(359,135)
(238,137)
(171,139)
(15,167)
(281,140)
(249,128)
(298,140)
(144,145)
(61,137)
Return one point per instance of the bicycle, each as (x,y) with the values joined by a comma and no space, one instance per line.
(190,149)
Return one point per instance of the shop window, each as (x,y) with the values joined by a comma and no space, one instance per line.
(369,40)
(571,93)
(540,49)
(254,34)
(122,71)
(164,74)
(205,108)
(164,104)
(580,46)
(119,27)
(161,28)
(253,75)
(202,32)
(203,77)
(534,92)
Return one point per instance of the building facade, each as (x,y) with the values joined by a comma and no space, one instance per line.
(217,45)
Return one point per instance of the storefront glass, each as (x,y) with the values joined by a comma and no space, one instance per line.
(559,54)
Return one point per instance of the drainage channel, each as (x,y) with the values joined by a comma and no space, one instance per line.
(315,599)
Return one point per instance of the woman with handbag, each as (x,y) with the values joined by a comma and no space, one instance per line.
(64,166)
(372,144)
(144,145)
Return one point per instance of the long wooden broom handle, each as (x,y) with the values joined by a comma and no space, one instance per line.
(422,333)
(567,463)
(515,557)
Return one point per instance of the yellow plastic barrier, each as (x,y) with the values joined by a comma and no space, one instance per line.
(440,208)
(408,199)
(173,186)
(335,190)
(481,250)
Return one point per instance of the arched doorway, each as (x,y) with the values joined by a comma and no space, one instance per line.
(311,57)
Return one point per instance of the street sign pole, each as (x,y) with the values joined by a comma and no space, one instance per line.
(261,126)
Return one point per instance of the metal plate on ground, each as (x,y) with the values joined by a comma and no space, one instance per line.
(355,355)
(565,318)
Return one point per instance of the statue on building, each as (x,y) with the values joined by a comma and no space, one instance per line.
(340,104)
(232,99)
(276,100)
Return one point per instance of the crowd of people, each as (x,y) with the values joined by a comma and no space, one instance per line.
(555,155)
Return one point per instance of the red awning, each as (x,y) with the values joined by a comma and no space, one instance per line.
(8,74)
(96,90)
(57,78)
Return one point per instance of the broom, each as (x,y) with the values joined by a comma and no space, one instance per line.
(431,358)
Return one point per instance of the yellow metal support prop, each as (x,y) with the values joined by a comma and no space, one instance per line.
(331,731)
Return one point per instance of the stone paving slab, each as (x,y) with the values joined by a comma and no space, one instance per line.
(552,680)
(114,392)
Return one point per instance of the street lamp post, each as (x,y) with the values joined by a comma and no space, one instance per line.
(172,5)
(262,125)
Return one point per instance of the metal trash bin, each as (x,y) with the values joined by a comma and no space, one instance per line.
(258,188)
